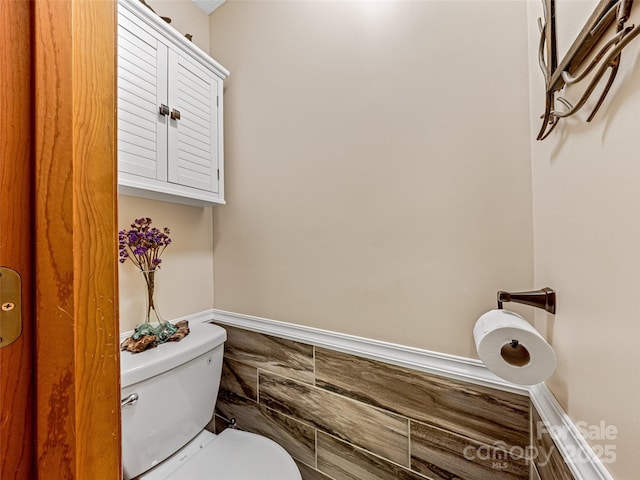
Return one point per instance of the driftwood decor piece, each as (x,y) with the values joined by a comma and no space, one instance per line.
(149,341)
(596,50)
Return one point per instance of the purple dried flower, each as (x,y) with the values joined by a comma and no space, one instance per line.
(142,244)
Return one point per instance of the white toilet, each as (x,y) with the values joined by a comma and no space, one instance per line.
(168,396)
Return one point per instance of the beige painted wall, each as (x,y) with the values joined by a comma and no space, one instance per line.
(186,282)
(377,162)
(586,192)
(378,180)
(185,17)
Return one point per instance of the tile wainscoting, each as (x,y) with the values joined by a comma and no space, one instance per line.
(347,417)
(351,408)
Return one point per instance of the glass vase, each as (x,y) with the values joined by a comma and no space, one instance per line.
(153,323)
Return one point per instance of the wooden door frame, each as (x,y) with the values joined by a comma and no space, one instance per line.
(16,205)
(75,212)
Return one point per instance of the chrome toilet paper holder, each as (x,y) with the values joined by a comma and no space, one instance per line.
(544,298)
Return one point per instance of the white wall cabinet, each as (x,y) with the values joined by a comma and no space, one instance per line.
(170,135)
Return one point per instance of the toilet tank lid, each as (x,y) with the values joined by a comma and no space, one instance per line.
(136,367)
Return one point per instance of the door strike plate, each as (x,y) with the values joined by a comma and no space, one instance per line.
(10,306)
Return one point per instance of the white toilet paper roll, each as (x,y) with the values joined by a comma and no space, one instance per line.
(526,361)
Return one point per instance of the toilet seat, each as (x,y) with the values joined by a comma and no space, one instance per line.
(231,455)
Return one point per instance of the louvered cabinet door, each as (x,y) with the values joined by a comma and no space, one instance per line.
(193,144)
(142,88)
(170,145)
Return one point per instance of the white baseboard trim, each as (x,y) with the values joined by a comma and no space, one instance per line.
(567,436)
(576,452)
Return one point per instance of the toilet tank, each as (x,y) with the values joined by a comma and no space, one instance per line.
(176,385)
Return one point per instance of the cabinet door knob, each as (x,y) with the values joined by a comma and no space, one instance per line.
(175,114)
(164,109)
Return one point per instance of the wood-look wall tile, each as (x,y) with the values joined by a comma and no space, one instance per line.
(547,458)
(442,455)
(217,424)
(534,473)
(278,355)
(296,438)
(239,378)
(484,414)
(309,473)
(380,432)
(343,461)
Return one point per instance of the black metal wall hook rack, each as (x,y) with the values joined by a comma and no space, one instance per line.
(592,60)
(544,298)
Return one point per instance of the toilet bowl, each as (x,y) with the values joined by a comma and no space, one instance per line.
(168,396)
(231,455)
